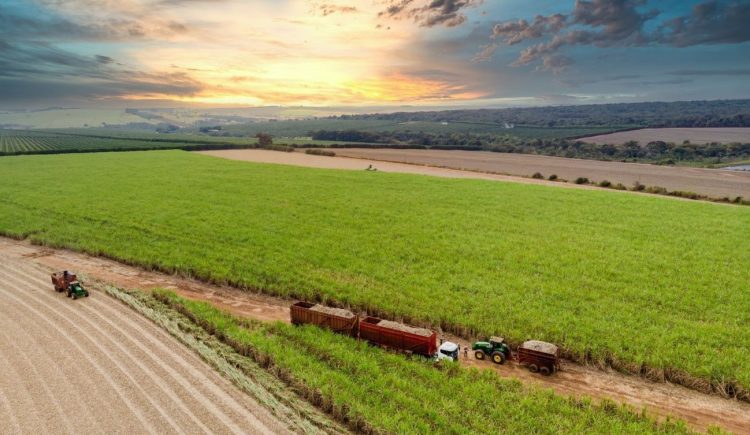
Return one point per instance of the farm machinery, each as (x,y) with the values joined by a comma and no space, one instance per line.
(68,282)
(537,356)
(494,348)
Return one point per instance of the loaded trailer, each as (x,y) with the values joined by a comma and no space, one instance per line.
(380,332)
(539,356)
(335,319)
(68,282)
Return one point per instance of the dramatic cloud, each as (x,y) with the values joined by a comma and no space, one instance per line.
(711,22)
(328,9)
(434,12)
(619,23)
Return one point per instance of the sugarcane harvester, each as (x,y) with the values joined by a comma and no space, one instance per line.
(68,282)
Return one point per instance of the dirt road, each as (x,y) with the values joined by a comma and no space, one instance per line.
(94,366)
(710,182)
(699,410)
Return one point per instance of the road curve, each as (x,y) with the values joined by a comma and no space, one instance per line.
(94,366)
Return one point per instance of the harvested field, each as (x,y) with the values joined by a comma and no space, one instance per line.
(94,366)
(711,182)
(664,399)
(675,135)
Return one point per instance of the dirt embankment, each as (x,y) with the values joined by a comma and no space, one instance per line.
(699,410)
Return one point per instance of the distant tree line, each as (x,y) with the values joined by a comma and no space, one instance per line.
(657,151)
(720,113)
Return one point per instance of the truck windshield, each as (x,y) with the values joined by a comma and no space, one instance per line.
(453,354)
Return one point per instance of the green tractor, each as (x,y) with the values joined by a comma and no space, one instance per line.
(494,348)
(68,282)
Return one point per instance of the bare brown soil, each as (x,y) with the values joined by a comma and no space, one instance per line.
(675,135)
(699,410)
(710,182)
(94,366)
(361,163)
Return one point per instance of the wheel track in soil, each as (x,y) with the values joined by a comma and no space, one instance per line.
(104,372)
(158,363)
(39,318)
(662,399)
(137,380)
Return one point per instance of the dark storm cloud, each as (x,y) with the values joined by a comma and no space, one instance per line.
(436,12)
(711,22)
(22,25)
(26,70)
(620,23)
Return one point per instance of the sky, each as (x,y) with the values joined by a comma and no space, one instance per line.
(490,53)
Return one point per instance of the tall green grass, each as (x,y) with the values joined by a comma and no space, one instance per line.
(375,391)
(650,285)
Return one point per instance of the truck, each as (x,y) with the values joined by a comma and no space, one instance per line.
(335,319)
(68,282)
(380,332)
(493,348)
(539,356)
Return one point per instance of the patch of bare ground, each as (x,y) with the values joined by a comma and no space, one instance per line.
(95,366)
(699,410)
(710,182)
(675,135)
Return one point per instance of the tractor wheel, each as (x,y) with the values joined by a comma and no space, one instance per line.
(498,357)
(69,293)
(87,294)
(479,354)
(533,368)
(75,296)
(545,371)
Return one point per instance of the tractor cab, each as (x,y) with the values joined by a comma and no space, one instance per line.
(494,348)
(448,350)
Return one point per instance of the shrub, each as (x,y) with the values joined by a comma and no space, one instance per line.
(582,180)
(657,190)
(552,177)
(638,187)
(320,152)
(538,175)
(605,183)
(620,186)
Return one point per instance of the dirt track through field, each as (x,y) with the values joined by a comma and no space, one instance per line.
(33,262)
(711,182)
(94,366)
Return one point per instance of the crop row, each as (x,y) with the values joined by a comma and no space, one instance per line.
(645,284)
(375,391)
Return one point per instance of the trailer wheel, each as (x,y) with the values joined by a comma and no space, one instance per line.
(533,368)
(498,358)
(479,354)
(545,371)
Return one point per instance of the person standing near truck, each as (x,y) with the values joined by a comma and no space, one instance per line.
(466,352)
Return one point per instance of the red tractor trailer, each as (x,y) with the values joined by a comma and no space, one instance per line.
(377,331)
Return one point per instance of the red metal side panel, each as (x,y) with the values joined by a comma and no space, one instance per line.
(370,330)
(301,313)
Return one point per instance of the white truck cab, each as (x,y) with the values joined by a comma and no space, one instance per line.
(448,350)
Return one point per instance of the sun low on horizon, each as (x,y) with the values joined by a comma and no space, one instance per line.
(379,52)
